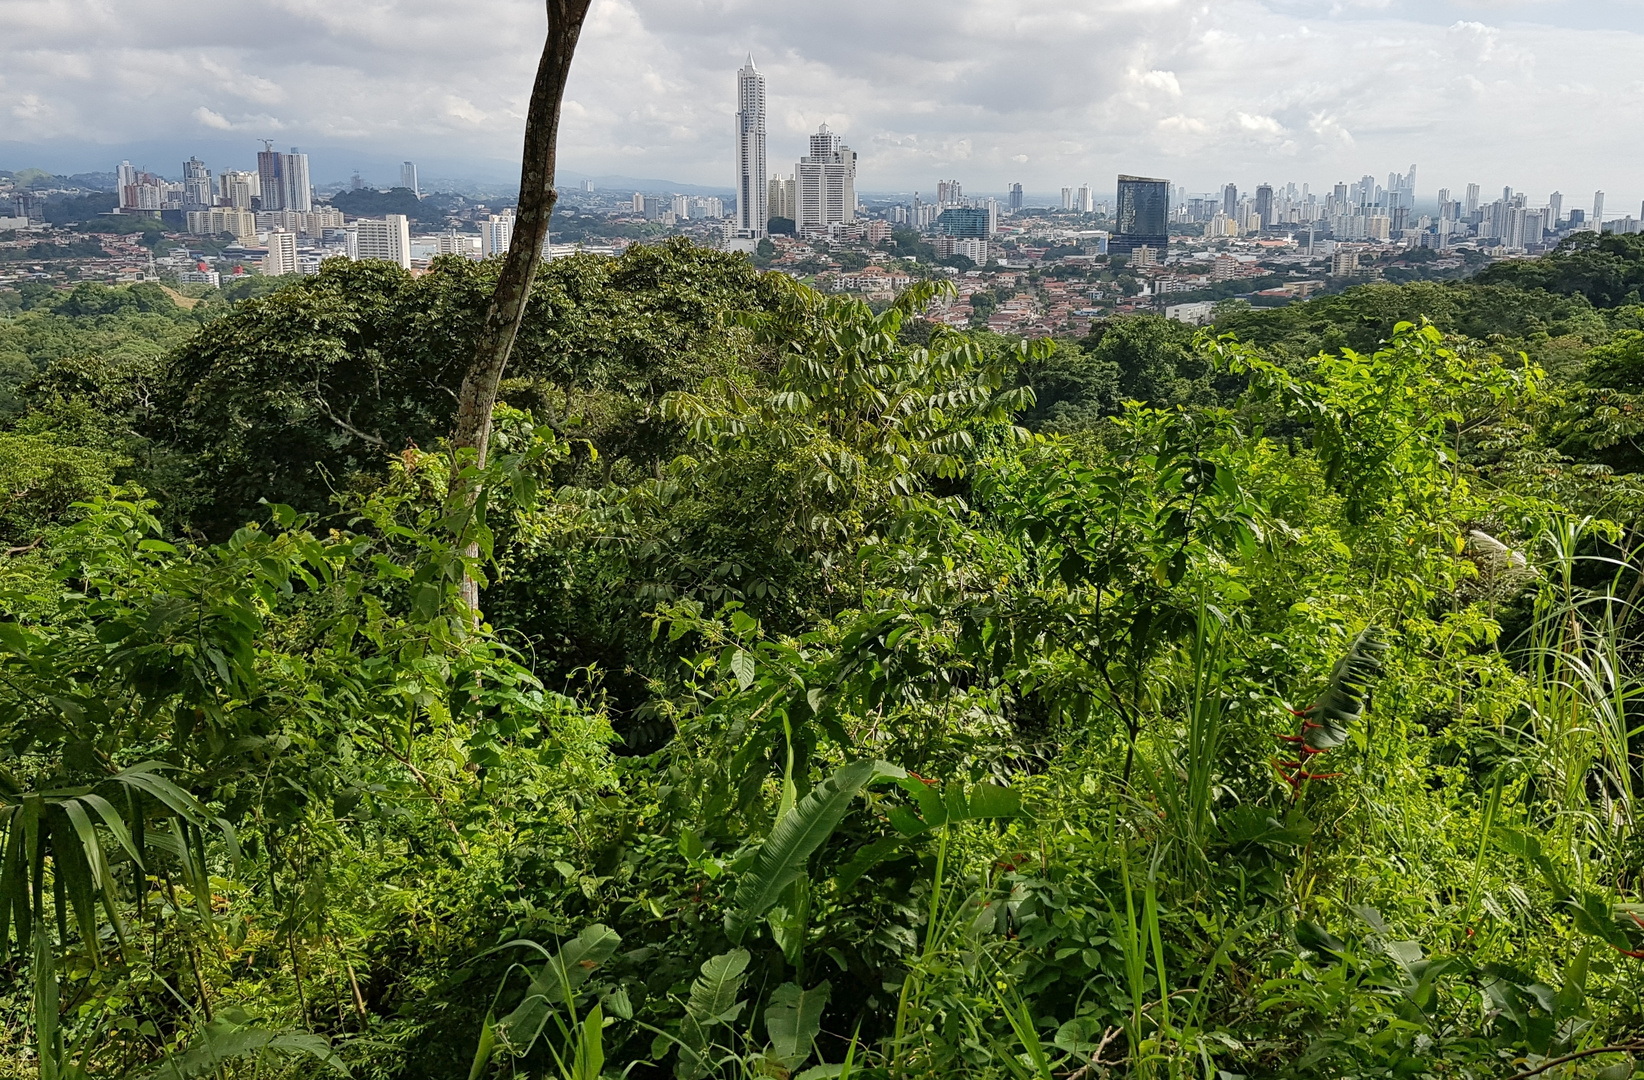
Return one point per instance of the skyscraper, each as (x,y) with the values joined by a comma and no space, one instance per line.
(1143,214)
(1598,211)
(949,193)
(825,182)
(750,152)
(1067,198)
(1016,196)
(1087,205)
(1264,204)
(196,185)
(284,179)
(1470,207)
(408,177)
(1230,200)
(1555,203)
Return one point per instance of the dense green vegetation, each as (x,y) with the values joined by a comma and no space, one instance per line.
(369,202)
(852,695)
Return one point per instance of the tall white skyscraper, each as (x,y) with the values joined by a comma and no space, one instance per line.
(1086,204)
(408,177)
(1470,206)
(825,182)
(387,238)
(1598,211)
(751,173)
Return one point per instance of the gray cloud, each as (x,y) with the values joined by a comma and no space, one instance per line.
(1537,94)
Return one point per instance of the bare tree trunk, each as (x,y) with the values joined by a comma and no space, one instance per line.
(536,205)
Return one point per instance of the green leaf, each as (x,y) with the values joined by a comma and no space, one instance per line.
(714,993)
(793,1020)
(1342,701)
(783,856)
(558,981)
(220,1042)
(742,666)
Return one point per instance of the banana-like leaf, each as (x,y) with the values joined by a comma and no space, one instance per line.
(1342,702)
(221,1042)
(559,980)
(784,855)
(793,1020)
(715,991)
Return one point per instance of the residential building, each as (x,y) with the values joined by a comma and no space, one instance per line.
(949,193)
(825,182)
(1555,207)
(1067,198)
(284,179)
(496,233)
(1598,211)
(782,200)
(973,248)
(1264,205)
(1142,215)
(751,216)
(1345,262)
(237,189)
(387,238)
(1087,205)
(408,178)
(223,219)
(1016,196)
(1230,201)
(196,185)
(282,254)
(682,207)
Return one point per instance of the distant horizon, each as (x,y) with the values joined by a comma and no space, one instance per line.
(382,173)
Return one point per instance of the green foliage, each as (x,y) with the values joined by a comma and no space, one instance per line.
(369,202)
(956,678)
(1607,269)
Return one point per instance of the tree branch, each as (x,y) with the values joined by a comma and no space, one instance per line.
(1553,1063)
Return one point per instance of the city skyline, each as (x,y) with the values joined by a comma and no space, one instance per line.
(1020,91)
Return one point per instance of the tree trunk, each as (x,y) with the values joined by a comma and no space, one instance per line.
(519,268)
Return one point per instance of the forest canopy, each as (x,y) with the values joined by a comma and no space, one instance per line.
(849,693)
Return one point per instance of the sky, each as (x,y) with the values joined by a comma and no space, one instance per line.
(1532,94)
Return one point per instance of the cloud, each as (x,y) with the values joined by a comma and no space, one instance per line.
(213,119)
(991,91)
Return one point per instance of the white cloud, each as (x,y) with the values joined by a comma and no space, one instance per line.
(1536,94)
(213,119)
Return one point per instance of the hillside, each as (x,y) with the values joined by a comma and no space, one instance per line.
(849,694)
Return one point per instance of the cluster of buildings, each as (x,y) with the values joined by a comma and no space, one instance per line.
(816,199)
(1367,210)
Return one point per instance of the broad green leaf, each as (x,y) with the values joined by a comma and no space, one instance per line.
(785,853)
(793,1020)
(714,993)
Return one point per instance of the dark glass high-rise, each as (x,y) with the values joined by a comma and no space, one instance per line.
(1143,214)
